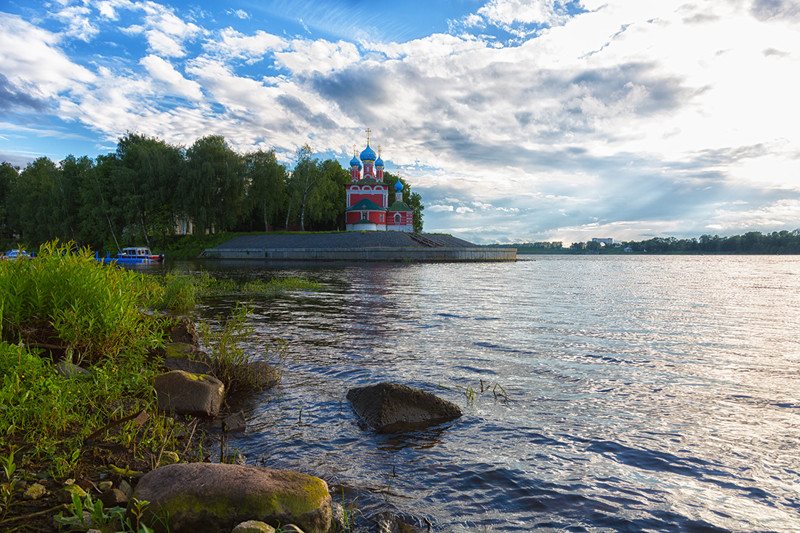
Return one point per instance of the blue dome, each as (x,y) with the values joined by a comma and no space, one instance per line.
(379,162)
(398,187)
(355,162)
(368,154)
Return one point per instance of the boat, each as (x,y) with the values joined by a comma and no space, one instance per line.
(133,254)
(139,254)
(16,254)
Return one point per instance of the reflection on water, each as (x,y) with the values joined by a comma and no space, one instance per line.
(645,393)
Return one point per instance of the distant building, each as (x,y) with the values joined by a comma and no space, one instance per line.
(368,197)
(607,242)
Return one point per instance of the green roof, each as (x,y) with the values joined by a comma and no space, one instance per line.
(399,206)
(365,205)
(370,181)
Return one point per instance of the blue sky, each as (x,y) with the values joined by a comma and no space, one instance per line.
(515,120)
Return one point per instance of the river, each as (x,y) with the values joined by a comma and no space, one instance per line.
(600,393)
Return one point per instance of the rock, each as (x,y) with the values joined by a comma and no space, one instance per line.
(34,492)
(126,488)
(215,497)
(267,376)
(184,330)
(182,356)
(191,394)
(389,407)
(105,485)
(69,370)
(234,423)
(389,523)
(254,526)
(114,498)
(291,528)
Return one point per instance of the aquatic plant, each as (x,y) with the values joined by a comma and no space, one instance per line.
(230,360)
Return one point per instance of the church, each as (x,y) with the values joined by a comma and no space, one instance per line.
(368,206)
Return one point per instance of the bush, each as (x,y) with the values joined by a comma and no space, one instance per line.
(64,296)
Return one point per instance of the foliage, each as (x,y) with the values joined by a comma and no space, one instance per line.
(101,518)
(229,357)
(147,191)
(95,311)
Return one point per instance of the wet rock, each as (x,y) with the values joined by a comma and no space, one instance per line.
(192,394)
(266,374)
(390,407)
(389,523)
(253,526)
(234,423)
(215,497)
(184,330)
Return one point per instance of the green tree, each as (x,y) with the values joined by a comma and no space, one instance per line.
(213,188)
(101,212)
(153,200)
(8,180)
(301,185)
(36,203)
(326,203)
(411,199)
(266,187)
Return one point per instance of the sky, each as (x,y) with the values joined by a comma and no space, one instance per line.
(516,121)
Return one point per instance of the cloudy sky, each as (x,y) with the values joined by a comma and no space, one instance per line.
(515,120)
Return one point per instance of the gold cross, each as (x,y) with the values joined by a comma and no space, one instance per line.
(368,130)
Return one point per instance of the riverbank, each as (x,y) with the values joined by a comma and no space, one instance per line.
(368,246)
(82,415)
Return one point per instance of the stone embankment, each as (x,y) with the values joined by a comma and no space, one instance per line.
(370,246)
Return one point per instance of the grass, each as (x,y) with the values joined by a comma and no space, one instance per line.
(65,305)
(182,291)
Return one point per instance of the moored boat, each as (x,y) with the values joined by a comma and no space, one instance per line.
(133,254)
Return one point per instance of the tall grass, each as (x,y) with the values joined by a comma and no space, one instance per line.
(94,311)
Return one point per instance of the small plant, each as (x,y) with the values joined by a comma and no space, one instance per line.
(9,485)
(229,358)
(87,513)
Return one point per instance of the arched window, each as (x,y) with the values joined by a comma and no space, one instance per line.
(397,218)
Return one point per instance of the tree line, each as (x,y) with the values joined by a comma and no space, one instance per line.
(752,242)
(148,188)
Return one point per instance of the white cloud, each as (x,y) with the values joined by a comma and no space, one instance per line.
(306,56)
(508,12)
(438,208)
(165,32)
(32,59)
(78,22)
(163,71)
(239,13)
(233,44)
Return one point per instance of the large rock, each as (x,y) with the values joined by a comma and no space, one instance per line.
(215,497)
(192,394)
(390,407)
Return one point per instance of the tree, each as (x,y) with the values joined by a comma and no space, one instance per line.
(214,186)
(327,202)
(266,186)
(411,199)
(8,180)
(302,183)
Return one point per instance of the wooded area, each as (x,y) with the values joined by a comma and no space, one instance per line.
(149,188)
